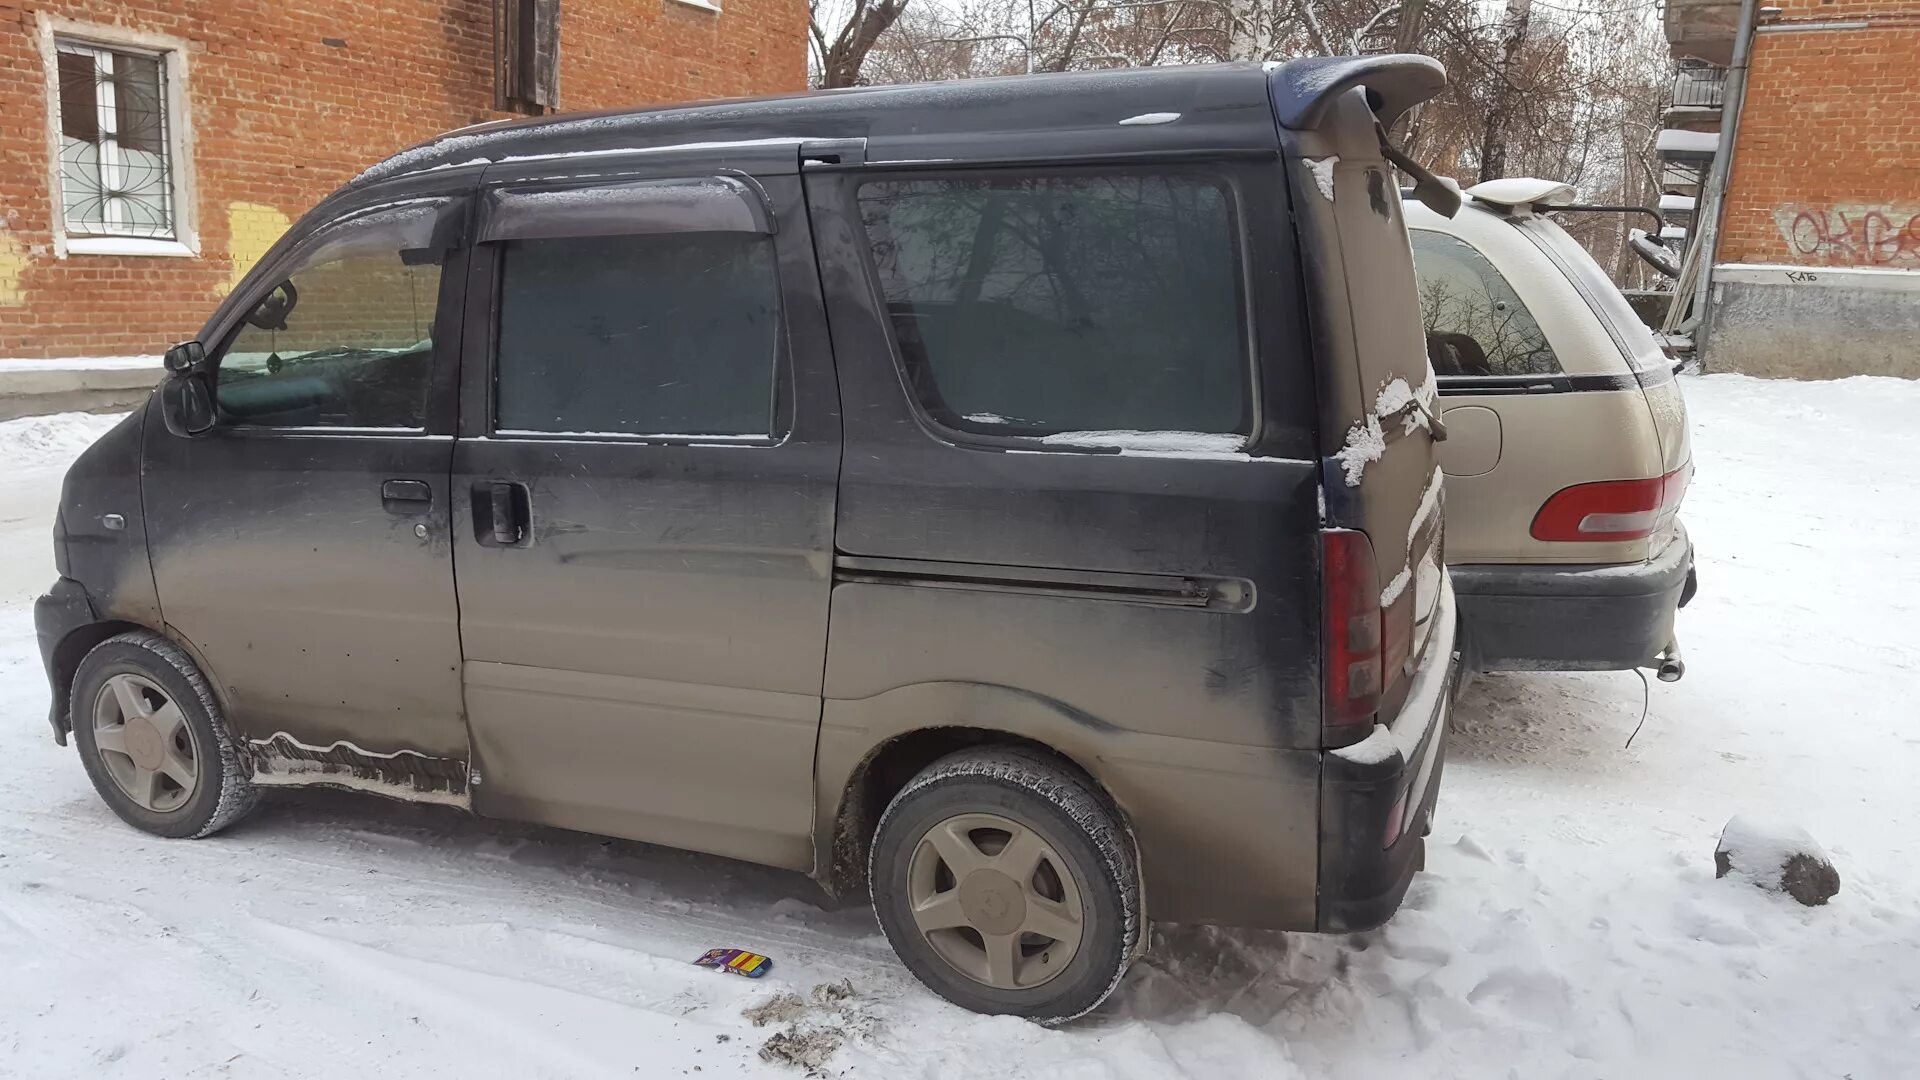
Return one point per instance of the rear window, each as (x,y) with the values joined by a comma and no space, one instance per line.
(1037,305)
(1475,322)
(1623,324)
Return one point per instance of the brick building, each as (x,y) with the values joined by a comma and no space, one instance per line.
(153,149)
(1815,269)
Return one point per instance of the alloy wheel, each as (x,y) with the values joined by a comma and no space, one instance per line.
(995,900)
(145,743)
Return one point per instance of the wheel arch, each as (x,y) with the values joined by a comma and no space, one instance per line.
(65,665)
(859,769)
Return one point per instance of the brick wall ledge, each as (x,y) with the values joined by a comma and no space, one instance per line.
(1869,21)
(1878,279)
(76,384)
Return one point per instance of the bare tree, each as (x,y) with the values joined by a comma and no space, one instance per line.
(854,26)
(1547,88)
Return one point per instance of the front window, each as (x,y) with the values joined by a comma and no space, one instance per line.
(345,339)
(116,161)
(1040,305)
(1475,322)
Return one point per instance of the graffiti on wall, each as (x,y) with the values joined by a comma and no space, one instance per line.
(1852,234)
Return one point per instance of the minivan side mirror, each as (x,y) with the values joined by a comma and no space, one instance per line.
(186,403)
(185,357)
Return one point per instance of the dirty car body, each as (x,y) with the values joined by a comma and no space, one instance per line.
(423,541)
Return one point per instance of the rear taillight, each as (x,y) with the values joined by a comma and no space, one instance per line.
(1611,509)
(1352,639)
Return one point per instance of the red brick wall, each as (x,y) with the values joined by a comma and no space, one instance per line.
(1827,169)
(279,118)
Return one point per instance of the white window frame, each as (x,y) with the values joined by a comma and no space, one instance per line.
(172,52)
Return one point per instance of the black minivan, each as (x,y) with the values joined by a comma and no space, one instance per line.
(1012,499)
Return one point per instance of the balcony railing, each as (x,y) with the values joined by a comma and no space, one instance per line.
(1702,85)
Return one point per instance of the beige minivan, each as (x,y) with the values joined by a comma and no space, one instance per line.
(1567,455)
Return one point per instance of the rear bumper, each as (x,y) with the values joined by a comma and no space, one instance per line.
(1387,784)
(1573,618)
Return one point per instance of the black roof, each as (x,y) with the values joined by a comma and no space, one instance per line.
(894,119)
(1211,107)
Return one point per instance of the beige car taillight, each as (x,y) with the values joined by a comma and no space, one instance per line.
(1611,509)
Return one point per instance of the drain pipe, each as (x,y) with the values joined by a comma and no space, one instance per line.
(1709,218)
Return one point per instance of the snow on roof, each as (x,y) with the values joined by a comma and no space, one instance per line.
(1677,202)
(1697,142)
(1673,232)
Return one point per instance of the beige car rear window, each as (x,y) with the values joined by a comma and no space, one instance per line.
(1475,323)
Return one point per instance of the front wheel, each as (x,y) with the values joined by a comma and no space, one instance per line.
(1007,884)
(152,739)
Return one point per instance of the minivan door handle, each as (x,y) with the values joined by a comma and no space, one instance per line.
(406,496)
(502,513)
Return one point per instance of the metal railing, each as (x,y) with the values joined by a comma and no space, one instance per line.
(1700,85)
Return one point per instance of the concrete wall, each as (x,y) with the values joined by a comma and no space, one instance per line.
(283,101)
(1788,322)
(101,384)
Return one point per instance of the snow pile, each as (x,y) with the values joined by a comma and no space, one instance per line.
(33,442)
(1396,586)
(1777,856)
(83,363)
(1367,440)
(1322,170)
(1568,922)
(1365,443)
(1688,142)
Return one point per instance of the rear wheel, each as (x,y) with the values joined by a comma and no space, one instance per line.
(152,739)
(1007,884)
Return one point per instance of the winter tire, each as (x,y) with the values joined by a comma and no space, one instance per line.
(153,741)
(1006,883)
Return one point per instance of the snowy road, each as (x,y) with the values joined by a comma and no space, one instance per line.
(1568,925)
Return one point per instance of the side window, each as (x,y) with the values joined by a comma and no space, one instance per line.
(1041,305)
(346,339)
(1476,324)
(651,334)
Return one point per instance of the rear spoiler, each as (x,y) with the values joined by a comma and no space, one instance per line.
(1305,90)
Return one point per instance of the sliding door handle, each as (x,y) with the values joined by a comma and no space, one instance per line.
(502,513)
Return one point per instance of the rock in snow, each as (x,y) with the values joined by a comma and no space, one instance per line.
(1778,857)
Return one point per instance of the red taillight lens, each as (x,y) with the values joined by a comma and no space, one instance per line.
(1352,644)
(1612,509)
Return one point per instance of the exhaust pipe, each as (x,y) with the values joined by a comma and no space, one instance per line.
(1668,666)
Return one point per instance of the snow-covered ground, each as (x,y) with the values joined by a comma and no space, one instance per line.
(1568,925)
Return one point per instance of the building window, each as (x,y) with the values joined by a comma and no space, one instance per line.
(116,150)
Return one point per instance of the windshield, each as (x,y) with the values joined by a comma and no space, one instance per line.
(1636,341)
